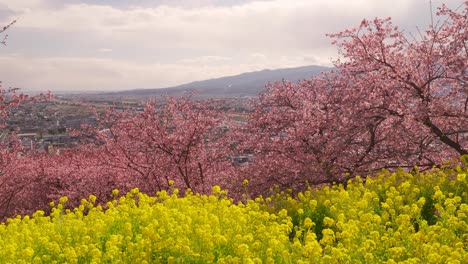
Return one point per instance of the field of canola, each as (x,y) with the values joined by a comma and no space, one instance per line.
(418,217)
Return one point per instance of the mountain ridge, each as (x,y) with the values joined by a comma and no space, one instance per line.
(241,85)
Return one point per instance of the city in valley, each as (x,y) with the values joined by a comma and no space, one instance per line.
(49,125)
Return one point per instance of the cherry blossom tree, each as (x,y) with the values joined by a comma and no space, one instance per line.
(392,100)
(21,184)
(31,180)
(11,184)
(180,141)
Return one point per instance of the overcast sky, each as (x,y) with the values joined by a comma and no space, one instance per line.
(102,45)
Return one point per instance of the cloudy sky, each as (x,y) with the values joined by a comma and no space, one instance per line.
(76,45)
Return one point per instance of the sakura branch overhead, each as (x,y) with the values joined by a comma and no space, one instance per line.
(3,31)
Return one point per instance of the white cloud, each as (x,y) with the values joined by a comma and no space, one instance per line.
(168,44)
(205,59)
(105,74)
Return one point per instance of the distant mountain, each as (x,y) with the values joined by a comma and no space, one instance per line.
(245,84)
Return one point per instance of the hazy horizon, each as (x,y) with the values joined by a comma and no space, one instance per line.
(77,45)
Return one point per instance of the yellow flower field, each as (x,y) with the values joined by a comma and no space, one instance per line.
(418,217)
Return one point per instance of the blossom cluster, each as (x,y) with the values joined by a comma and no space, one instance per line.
(407,217)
